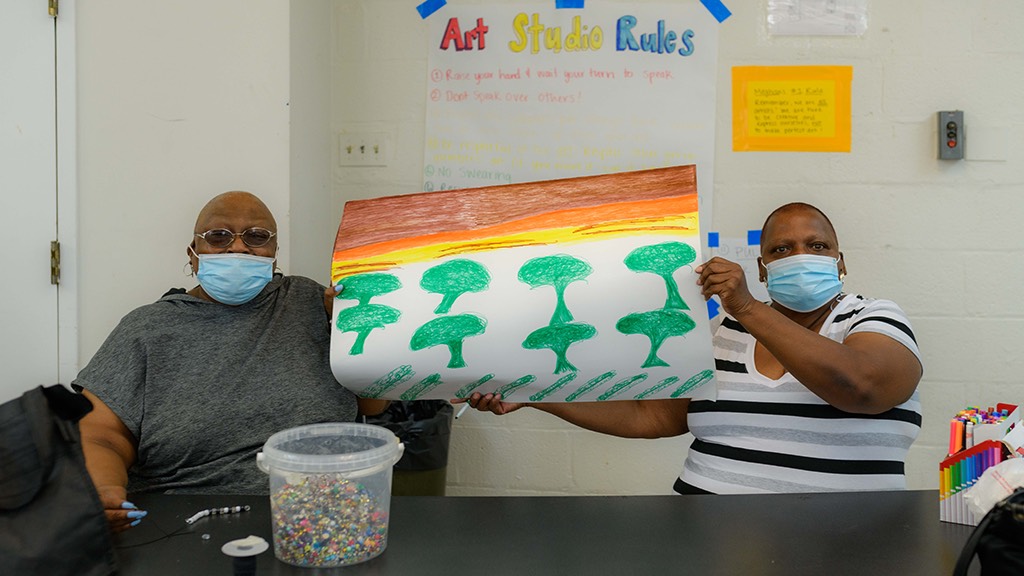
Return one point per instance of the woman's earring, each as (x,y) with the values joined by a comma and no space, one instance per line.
(187,269)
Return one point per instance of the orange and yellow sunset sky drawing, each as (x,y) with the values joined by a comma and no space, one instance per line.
(393,232)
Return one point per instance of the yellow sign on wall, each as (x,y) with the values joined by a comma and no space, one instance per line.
(791,108)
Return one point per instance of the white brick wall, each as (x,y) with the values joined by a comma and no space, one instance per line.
(942,239)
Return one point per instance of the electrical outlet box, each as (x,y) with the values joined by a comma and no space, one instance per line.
(952,136)
(363,149)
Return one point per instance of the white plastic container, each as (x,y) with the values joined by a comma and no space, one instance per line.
(330,492)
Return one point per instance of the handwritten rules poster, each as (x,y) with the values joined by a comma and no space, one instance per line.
(567,290)
(525,92)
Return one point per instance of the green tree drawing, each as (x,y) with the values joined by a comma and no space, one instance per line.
(363,287)
(453,279)
(557,271)
(363,319)
(657,325)
(664,259)
(449,331)
(558,338)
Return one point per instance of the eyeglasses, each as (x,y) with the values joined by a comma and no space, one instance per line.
(222,237)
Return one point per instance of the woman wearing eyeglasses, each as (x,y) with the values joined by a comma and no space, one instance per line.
(186,390)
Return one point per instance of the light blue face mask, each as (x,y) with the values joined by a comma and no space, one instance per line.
(234,278)
(804,282)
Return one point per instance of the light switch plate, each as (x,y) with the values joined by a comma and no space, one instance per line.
(364,148)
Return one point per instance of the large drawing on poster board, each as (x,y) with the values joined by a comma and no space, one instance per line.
(578,289)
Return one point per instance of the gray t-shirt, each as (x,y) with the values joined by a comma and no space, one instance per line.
(202,385)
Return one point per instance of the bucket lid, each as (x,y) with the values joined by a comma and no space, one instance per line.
(332,447)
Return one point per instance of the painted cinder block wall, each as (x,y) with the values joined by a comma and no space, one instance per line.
(177,103)
(940,238)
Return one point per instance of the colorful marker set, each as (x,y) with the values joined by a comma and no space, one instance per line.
(974,425)
(976,443)
(958,473)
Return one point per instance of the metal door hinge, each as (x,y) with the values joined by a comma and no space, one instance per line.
(53,8)
(55,262)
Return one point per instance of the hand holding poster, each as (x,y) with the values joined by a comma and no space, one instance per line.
(566,290)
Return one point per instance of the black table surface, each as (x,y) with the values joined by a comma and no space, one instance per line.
(843,533)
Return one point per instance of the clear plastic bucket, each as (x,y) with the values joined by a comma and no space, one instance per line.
(330,492)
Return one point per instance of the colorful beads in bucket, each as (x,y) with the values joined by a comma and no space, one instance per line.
(330,492)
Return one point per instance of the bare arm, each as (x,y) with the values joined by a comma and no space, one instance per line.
(626,418)
(110,449)
(867,374)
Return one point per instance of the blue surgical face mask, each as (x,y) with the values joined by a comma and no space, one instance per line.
(234,278)
(804,282)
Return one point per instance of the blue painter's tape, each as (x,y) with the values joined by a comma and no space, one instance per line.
(713,307)
(568,4)
(753,237)
(431,6)
(712,239)
(717,9)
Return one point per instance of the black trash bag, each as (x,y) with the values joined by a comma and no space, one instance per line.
(51,519)
(998,540)
(424,427)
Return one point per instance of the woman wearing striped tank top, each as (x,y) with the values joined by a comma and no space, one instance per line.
(817,389)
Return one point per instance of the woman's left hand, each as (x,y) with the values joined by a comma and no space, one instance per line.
(727,280)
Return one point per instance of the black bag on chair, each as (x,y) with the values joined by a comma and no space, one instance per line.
(998,540)
(51,519)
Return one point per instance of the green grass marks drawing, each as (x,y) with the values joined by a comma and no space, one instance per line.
(657,325)
(448,331)
(560,383)
(466,390)
(657,387)
(422,387)
(363,319)
(696,380)
(664,259)
(515,385)
(453,279)
(594,383)
(622,386)
(558,338)
(388,381)
(363,287)
(557,271)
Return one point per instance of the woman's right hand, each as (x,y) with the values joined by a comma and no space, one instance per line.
(490,403)
(121,514)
